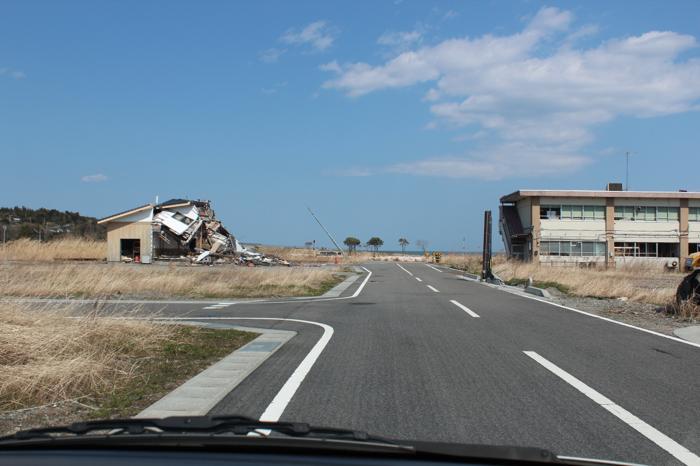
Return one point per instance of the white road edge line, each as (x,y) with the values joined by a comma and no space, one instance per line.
(671,446)
(464,308)
(279,403)
(405,270)
(434,268)
(680,340)
(419,279)
(433,288)
(318,300)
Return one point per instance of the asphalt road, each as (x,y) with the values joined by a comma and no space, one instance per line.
(406,362)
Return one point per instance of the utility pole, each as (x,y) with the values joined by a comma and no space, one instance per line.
(324,229)
(464,250)
(486,272)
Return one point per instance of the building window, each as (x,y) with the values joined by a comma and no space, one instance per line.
(572,212)
(646,213)
(639,249)
(694,214)
(693,247)
(550,212)
(572,248)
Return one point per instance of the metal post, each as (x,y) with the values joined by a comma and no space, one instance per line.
(464,250)
(486,273)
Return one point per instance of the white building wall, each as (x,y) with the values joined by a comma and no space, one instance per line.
(572,201)
(646,231)
(574,230)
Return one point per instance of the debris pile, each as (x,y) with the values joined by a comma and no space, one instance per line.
(190,229)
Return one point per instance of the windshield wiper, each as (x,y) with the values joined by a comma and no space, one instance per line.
(212,425)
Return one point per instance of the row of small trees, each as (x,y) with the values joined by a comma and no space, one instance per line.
(374,243)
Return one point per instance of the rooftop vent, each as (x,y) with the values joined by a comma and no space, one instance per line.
(614,187)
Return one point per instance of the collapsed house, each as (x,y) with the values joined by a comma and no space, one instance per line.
(175,230)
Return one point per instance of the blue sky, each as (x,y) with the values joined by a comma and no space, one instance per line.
(396,118)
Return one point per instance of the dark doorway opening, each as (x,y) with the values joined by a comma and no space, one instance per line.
(131,248)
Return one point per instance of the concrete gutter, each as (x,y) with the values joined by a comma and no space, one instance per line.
(538,291)
(691,333)
(197,396)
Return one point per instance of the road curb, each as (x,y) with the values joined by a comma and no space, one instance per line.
(338,289)
(198,395)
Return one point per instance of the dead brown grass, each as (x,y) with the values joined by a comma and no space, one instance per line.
(156,281)
(307,256)
(61,249)
(46,356)
(636,283)
(470,262)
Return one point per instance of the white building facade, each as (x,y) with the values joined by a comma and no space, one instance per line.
(601,227)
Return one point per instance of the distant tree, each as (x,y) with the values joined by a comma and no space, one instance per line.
(422,244)
(375,243)
(352,243)
(403,242)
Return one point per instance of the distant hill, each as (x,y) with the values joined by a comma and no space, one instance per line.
(22,222)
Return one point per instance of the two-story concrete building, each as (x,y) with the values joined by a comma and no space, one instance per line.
(608,227)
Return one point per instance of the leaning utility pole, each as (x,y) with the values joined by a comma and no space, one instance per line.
(486,272)
(324,229)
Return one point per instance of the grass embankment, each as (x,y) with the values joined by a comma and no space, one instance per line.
(129,280)
(636,283)
(470,262)
(112,367)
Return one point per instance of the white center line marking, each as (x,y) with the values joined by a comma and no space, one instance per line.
(433,288)
(419,279)
(464,308)
(434,268)
(677,450)
(404,270)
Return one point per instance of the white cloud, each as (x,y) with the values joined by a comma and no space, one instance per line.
(496,163)
(16,74)
(449,14)
(274,88)
(535,89)
(318,35)
(271,55)
(97,178)
(400,41)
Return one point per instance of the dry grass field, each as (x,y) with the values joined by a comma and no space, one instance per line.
(45,356)
(56,250)
(61,366)
(137,281)
(308,256)
(58,268)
